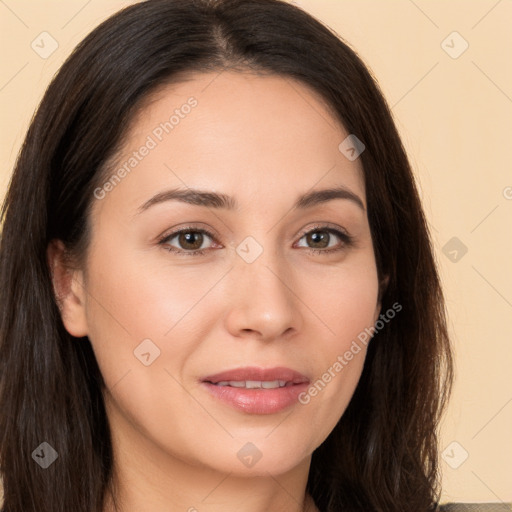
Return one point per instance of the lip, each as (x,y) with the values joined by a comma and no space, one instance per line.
(257,400)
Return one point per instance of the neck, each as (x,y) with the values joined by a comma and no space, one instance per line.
(200,490)
(147,478)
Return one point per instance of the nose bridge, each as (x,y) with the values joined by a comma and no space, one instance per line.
(263,300)
(263,269)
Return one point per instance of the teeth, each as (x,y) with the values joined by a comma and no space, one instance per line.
(237,384)
(270,384)
(253,384)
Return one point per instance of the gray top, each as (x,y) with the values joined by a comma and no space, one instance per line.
(477,507)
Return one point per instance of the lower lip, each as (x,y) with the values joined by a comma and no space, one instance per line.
(257,401)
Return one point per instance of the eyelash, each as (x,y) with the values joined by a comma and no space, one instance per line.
(347,240)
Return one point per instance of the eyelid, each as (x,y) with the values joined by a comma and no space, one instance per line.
(163,239)
(326,226)
(187,227)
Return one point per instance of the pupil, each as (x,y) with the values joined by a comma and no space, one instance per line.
(192,238)
(318,237)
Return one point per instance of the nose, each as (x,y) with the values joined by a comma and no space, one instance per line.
(264,304)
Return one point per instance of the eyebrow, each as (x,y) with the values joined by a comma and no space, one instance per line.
(222,201)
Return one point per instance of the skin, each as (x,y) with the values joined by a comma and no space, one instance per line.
(264,140)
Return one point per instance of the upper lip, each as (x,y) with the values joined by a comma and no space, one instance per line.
(258,374)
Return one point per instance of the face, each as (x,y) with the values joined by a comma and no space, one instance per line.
(223,323)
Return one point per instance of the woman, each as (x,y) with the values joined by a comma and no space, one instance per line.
(217,283)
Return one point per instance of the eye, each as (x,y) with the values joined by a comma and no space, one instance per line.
(322,239)
(190,241)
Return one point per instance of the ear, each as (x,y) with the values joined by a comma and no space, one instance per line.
(69,289)
(383,284)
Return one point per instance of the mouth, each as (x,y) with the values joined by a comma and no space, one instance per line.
(254,376)
(254,384)
(257,390)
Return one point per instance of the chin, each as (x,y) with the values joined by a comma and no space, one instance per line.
(258,457)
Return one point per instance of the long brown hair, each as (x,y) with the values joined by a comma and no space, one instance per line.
(382,455)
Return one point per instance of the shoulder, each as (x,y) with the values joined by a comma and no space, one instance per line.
(476,507)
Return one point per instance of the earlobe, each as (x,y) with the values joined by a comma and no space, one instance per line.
(68,289)
(383,284)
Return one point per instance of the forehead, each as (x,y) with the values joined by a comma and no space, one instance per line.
(244,134)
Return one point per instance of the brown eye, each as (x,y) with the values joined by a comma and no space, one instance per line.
(323,240)
(192,240)
(187,241)
(318,239)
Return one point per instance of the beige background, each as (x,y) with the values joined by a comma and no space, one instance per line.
(455,116)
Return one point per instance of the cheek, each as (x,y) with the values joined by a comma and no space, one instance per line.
(142,338)
(131,300)
(347,305)
(178,306)
(344,298)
